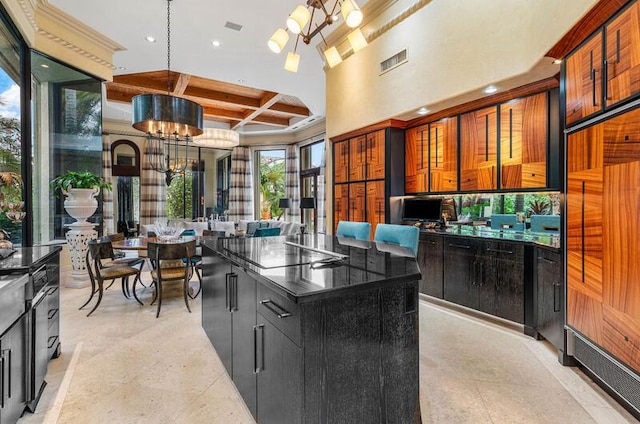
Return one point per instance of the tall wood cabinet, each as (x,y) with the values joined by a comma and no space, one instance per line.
(368,169)
(479,152)
(417,159)
(604,71)
(603,200)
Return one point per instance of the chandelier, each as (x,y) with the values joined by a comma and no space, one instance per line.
(168,121)
(217,138)
(303,17)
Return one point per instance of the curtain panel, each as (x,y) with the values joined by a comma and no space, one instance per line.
(321,206)
(107,195)
(153,190)
(241,187)
(292,181)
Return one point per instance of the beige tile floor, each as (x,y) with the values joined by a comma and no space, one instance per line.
(122,365)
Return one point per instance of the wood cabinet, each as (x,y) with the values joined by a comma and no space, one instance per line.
(479,149)
(485,275)
(550,296)
(417,159)
(622,59)
(597,79)
(443,155)
(430,259)
(375,171)
(603,199)
(523,142)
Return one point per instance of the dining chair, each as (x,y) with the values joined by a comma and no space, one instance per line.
(98,274)
(167,265)
(357,230)
(118,257)
(266,232)
(403,235)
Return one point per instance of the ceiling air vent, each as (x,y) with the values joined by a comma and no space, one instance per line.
(233,26)
(393,62)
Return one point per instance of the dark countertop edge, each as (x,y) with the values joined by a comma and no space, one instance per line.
(34,265)
(479,236)
(321,294)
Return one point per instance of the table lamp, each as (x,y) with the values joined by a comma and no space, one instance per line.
(284,203)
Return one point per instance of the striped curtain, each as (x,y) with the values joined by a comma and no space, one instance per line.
(321,201)
(292,181)
(153,191)
(241,187)
(107,195)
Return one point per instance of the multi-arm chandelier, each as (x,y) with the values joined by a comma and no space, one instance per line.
(303,17)
(169,122)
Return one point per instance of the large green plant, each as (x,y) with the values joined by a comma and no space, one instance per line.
(179,204)
(72,179)
(272,179)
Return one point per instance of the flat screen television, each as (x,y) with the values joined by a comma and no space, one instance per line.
(422,210)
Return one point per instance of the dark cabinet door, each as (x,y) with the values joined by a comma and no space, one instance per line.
(430,260)
(216,317)
(12,372)
(243,309)
(279,371)
(550,315)
(507,280)
(462,271)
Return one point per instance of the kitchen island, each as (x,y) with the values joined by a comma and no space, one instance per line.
(315,328)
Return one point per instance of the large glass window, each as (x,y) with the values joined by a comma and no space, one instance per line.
(312,158)
(67,136)
(185,194)
(224,185)
(10,130)
(271,181)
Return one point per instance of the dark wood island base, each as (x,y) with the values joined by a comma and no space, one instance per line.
(315,345)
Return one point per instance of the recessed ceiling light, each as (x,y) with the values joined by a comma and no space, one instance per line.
(122,68)
(216,43)
(150,39)
(423,111)
(491,89)
(557,61)
(44,65)
(240,80)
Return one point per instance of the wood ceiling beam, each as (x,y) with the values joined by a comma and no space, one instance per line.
(181,84)
(290,110)
(268,120)
(222,113)
(266,102)
(220,96)
(139,83)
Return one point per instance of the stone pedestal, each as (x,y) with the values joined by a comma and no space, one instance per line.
(77,241)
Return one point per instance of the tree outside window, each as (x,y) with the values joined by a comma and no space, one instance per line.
(272,182)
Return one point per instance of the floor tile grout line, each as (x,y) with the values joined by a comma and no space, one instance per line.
(53,414)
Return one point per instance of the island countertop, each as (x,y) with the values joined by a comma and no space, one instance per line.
(27,258)
(308,267)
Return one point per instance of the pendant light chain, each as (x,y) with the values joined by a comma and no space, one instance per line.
(168,46)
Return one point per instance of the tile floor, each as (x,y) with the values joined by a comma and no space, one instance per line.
(122,365)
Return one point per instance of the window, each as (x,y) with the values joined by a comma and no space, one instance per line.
(185,194)
(312,158)
(224,185)
(271,182)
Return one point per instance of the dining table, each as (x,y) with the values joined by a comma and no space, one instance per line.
(141,243)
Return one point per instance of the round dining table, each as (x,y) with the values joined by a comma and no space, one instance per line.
(141,243)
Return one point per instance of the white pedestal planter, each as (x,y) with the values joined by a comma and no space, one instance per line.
(80,204)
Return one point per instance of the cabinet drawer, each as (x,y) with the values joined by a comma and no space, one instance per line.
(53,305)
(281,312)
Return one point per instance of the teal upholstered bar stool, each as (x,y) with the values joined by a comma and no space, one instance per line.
(403,235)
(356,230)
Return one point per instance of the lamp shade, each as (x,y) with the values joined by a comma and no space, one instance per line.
(357,40)
(218,138)
(292,62)
(298,19)
(332,56)
(351,13)
(284,203)
(308,203)
(278,40)
(162,113)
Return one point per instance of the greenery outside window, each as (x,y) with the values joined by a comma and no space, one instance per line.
(271,182)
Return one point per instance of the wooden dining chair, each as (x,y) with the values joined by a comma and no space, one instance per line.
(98,274)
(167,265)
(119,257)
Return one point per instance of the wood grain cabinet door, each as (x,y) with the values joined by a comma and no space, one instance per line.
(357,202)
(523,142)
(375,204)
(585,169)
(622,63)
(341,162)
(375,155)
(583,75)
(357,158)
(341,204)
(478,149)
(443,154)
(411,159)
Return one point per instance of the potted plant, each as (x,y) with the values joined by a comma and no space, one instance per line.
(80,190)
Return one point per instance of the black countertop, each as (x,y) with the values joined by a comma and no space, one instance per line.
(288,264)
(27,258)
(551,240)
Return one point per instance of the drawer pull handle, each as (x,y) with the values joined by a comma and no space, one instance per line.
(549,261)
(52,341)
(52,313)
(460,246)
(508,252)
(282,313)
(51,290)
